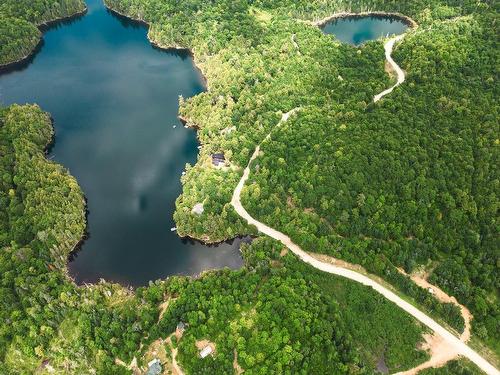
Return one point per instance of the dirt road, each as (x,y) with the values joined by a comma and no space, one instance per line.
(451,340)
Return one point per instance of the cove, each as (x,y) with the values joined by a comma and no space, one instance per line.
(114,102)
(356,30)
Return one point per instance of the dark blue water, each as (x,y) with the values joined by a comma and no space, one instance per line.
(357,30)
(114,100)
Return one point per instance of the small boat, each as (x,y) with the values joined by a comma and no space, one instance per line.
(173,229)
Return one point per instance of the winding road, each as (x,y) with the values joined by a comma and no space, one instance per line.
(454,342)
(388,47)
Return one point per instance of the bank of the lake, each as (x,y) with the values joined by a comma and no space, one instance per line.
(114,101)
(78,9)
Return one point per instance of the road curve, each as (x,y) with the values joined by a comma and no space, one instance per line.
(388,47)
(461,348)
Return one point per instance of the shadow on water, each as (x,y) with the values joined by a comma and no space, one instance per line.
(23,64)
(57,24)
(126,22)
(114,101)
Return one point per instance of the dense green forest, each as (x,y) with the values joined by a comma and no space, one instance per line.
(19,21)
(455,367)
(410,181)
(279,314)
(404,182)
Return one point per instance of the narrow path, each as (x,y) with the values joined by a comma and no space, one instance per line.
(440,351)
(440,354)
(388,47)
(451,340)
(176,370)
(421,281)
(174,362)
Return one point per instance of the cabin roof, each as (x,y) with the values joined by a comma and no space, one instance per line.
(154,367)
(206,351)
(198,209)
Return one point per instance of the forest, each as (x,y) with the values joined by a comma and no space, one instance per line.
(19,22)
(409,182)
(324,324)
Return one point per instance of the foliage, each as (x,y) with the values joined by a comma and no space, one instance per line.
(455,367)
(278,314)
(409,179)
(19,19)
(281,316)
(393,184)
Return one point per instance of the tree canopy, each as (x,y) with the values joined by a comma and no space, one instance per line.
(19,21)
(410,181)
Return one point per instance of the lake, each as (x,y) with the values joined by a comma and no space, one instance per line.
(114,101)
(357,30)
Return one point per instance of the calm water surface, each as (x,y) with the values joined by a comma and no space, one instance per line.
(114,100)
(357,30)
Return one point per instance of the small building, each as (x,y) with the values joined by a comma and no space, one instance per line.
(207,350)
(181,326)
(431,291)
(198,209)
(154,367)
(228,130)
(218,159)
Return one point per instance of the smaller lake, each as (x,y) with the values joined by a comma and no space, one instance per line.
(357,30)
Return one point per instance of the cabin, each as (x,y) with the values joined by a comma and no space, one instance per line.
(218,159)
(154,367)
(198,209)
(181,326)
(207,350)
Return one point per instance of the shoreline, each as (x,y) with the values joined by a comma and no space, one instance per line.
(187,122)
(85,234)
(77,246)
(183,119)
(407,20)
(47,24)
(42,27)
(242,239)
(162,47)
(13,65)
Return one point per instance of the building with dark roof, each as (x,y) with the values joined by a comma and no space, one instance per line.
(218,159)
